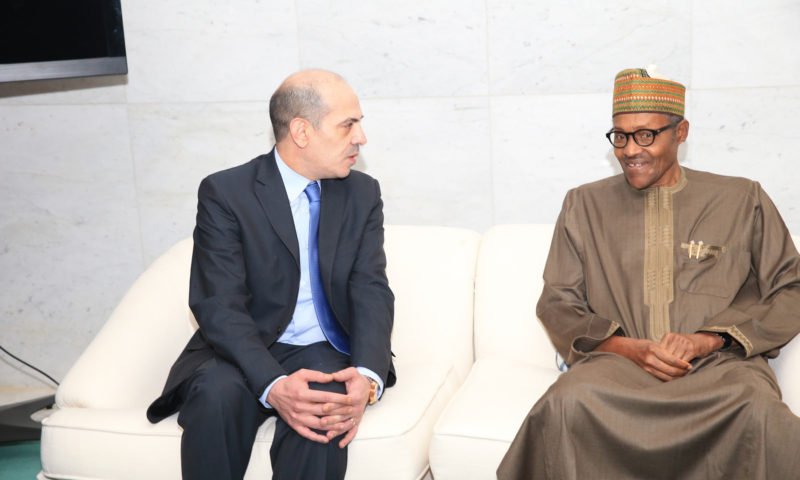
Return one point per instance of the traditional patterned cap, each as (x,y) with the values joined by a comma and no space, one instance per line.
(637,91)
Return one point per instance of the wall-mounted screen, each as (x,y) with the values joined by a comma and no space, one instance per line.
(41,39)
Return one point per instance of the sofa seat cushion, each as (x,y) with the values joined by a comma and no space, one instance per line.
(477,427)
(91,443)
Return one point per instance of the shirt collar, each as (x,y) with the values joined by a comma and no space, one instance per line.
(292,181)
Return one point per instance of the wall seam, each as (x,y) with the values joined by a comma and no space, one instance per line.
(492,200)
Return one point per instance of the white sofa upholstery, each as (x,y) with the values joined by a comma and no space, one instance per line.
(100,430)
(514,359)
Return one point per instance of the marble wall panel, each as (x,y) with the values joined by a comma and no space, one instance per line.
(213,17)
(98,176)
(179,50)
(750,44)
(737,132)
(175,147)
(544,145)
(579,45)
(397,49)
(432,159)
(69,231)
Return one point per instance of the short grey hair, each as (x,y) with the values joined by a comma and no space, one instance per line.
(674,118)
(295,101)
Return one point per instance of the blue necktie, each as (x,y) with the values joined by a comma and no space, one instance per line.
(333,332)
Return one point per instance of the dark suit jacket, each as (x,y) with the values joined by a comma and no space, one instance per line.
(246,272)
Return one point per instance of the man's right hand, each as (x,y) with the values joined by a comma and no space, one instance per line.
(654,358)
(303,408)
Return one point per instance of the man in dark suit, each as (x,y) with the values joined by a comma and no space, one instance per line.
(291,323)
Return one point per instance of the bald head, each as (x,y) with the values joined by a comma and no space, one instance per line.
(301,95)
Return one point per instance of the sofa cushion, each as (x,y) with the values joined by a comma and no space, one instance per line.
(508,282)
(431,271)
(478,425)
(93,443)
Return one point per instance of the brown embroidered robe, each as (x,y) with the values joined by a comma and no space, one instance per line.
(710,253)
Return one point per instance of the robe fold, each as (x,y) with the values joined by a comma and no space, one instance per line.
(711,254)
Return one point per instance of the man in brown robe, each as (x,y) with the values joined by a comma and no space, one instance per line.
(666,290)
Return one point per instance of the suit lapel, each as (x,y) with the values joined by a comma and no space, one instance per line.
(272,195)
(332,205)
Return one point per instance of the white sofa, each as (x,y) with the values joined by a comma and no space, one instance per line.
(100,430)
(515,361)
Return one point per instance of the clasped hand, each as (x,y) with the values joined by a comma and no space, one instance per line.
(305,409)
(668,359)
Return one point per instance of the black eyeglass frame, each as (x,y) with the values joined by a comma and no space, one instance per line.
(633,134)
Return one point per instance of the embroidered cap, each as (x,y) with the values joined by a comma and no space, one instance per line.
(637,91)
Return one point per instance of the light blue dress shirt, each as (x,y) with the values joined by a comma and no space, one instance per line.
(304,327)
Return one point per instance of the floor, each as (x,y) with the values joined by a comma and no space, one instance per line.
(19,460)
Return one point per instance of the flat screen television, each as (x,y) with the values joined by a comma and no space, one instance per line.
(42,39)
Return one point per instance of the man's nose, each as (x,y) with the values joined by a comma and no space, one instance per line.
(631,149)
(359,137)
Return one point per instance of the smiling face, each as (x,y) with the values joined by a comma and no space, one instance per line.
(655,165)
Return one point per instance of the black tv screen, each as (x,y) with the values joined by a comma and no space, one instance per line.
(41,39)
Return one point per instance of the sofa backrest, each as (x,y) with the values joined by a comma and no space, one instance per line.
(431,272)
(507,286)
(430,269)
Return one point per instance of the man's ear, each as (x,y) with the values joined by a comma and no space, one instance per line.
(300,131)
(682,130)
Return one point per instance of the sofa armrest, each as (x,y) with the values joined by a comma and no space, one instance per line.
(127,363)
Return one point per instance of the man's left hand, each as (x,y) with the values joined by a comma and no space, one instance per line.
(691,346)
(357,386)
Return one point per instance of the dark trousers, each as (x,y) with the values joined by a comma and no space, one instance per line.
(220,417)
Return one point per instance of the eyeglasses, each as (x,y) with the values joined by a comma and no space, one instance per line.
(643,137)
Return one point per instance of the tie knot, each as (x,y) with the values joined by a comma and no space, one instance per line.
(312,192)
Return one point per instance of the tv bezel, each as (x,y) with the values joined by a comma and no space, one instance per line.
(114,64)
(84,67)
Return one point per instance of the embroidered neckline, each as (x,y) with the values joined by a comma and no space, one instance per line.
(659,290)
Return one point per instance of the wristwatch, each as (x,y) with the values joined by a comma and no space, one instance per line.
(373,391)
(726,339)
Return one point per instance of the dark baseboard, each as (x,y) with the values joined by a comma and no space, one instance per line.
(16,424)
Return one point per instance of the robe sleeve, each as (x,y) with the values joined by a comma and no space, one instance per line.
(563,309)
(765,314)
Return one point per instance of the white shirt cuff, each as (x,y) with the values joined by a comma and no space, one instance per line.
(264,395)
